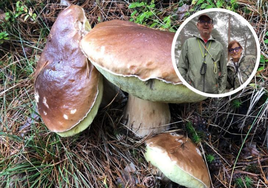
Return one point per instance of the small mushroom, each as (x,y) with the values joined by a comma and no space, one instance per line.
(137,59)
(68,88)
(178,159)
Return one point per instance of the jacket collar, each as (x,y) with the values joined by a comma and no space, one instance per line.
(199,37)
(232,63)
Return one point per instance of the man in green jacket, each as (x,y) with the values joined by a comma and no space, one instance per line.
(202,62)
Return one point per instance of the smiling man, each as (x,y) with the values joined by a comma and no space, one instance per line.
(202,62)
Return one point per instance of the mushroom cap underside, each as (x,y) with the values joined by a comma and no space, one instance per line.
(178,158)
(153,89)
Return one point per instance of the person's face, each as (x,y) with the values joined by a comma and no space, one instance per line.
(205,26)
(235,51)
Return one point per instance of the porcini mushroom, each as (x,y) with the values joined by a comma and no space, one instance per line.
(68,89)
(178,159)
(137,59)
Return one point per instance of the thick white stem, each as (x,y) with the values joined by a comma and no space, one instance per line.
(145,117)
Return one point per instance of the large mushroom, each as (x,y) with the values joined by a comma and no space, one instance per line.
(137,59)
(178,159)
(68,89)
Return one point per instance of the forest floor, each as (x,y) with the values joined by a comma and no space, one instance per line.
(231,130)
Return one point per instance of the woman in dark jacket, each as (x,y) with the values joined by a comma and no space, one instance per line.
(239,67)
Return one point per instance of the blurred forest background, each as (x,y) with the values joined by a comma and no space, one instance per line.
(227,27)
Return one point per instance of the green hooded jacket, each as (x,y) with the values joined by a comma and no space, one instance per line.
(239,72)
(191,60)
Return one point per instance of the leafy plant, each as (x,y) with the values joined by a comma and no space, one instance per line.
(3,37)
(236,103)
(246,182)
(206,4)
(148,14)
(233,5)
(210,158)
(192,132)
(266,40)
(24,11)
(263,62)
(20,17)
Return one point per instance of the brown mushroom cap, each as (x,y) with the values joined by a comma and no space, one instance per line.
(138,60)
(128,49)
(179,159)
(67,85)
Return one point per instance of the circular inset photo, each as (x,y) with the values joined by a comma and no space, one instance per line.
(215,52)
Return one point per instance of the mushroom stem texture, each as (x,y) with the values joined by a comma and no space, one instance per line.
(146,117)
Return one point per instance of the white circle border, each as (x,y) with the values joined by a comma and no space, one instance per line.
(209,94)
